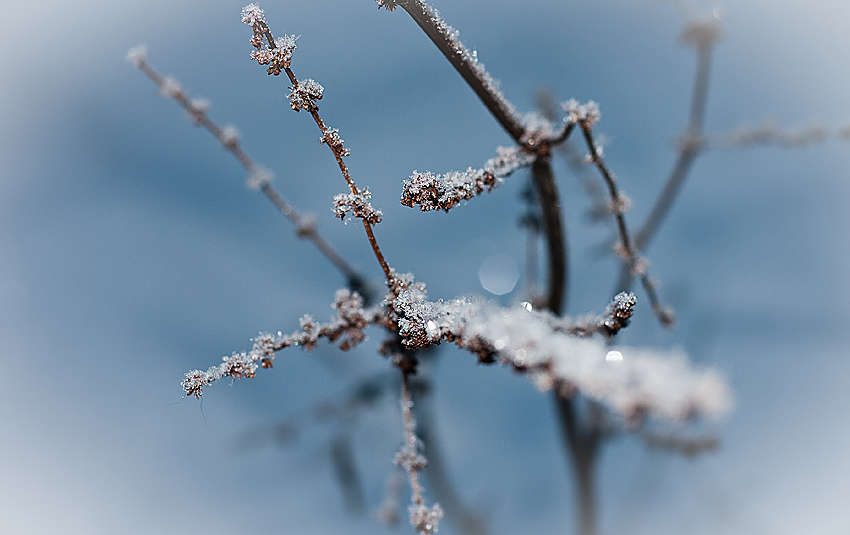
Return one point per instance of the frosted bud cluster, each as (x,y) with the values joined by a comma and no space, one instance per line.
(358,204)
(442,192)
(587,114)
(304,95)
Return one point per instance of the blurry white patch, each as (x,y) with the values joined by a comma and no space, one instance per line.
(498,274)
(614,356)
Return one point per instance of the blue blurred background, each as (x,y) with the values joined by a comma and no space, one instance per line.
(131,252)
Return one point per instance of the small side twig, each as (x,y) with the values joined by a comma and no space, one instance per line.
(586,116)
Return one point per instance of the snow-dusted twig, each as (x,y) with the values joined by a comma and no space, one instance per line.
(258,176)
(442,192)
(586,116)
(347,326)
(303,95)
(411,458)
(633,382)
(464,61)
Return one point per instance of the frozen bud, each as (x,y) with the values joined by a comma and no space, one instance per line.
(229,137)
(426,520)
(304,95)
(197,108)
(171,88)
(702,32)
(358,204)
(137,55)
(259,178)
(588,114)
(252,14)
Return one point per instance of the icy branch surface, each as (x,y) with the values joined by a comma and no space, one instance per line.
(442,192)
(632,382)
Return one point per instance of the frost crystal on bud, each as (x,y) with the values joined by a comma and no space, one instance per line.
(582,113)
(259,178)
(304,95)
(358,205)
(252,13)
(426,520)
(137,55)
(229,136)
(277,58)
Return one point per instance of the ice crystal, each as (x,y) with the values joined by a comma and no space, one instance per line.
(252,14)
(304,95)
(424,519)
(277,58)
(582,113)
(358,204)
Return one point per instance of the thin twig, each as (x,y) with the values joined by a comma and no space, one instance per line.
(261,29)
(304,226)
(688,152)
(629,253)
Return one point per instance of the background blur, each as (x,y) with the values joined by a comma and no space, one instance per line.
(131,252)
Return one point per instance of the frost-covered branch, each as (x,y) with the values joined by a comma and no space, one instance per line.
(769,133)
(412,460)
(464,61)
(303,94)
(258,176)
(632,382)
(442,192)
(347,325)
(587,115)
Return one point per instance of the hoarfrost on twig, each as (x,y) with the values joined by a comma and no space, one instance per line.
(443,192)
(358,204)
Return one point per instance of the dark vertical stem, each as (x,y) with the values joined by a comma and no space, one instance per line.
(583,448)
(547,193)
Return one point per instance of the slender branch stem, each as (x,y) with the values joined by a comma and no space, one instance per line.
(478,79)
(303,226)
(547,193)
(337,150)
(631,258)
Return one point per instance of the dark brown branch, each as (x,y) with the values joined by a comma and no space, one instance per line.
(547,193)
(445,39)
(630,255)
